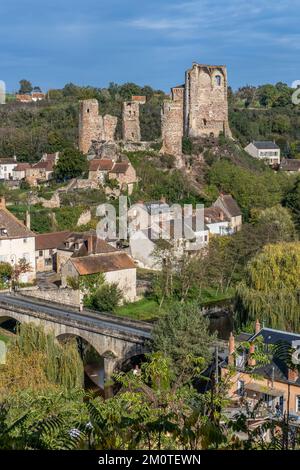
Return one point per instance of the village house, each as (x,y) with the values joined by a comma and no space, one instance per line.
(125,174)
(42,171)
(290,165)
(46,245)
(99,169)
(30,97)
(274,383)
(181,236)
(17,242)
(7,166)
(19,171)
(216,221)
(264,150)
(116,266)
(229,206)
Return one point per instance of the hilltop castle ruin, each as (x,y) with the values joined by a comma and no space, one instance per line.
(198,108)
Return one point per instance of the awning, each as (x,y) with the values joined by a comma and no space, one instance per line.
(259,388)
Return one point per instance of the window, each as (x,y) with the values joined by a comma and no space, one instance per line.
(241,388)
(24,240)
(298,404)
(204,122)
(40,253)
(218,80)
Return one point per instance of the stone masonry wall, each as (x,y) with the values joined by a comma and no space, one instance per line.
(206,106)
(64,296)
(172,123)
(93,126)
(131,121)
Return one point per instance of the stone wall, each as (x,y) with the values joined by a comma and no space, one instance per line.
(206,105)
(131,121)
(93,126)
(63,296)
(172,123)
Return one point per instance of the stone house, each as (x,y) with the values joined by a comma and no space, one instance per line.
(116,266)
(229,206)
(99,169)
(19,171)
(290,165)
(125,174)
(7,166)
(17,242)
(80,244)
(46,245)
(42,171)
(264,150)
(274,383)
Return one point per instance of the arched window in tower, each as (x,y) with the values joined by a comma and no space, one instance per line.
(218,80)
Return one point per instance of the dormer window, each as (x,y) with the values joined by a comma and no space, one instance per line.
(3,232)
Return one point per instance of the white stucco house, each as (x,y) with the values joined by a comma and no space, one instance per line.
(7,166)
(16,242)
(264,150)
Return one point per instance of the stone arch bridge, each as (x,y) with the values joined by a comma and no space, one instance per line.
(115,339)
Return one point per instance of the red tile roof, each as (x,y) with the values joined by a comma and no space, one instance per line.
(106,262)
(22,166)
(48,241)
(121,167)
(102,164)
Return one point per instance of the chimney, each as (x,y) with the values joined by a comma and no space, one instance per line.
(27,220)
(221,215)
(231,350)
(90,244)
(251,360)
(257,326)
(162,200)
(293,375)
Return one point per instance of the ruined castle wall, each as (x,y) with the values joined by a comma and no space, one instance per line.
(131,121)
(109,127)
(206,106)
(94,127)
(172,123)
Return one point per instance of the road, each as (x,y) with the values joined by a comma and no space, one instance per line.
(101,320)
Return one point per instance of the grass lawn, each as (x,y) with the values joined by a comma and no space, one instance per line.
(144,309)
(3,337)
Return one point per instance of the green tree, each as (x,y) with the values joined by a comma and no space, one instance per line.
(107,297)
(25,86)
(182,335)
(71,164)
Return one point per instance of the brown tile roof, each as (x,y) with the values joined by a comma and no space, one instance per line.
(288,164)
(5,160)
(102,263)
(14,227)
(214,215)
(121,167)
(22,166)
(139,98)
(102,164)
(47,241)
(98,245)
(44,165)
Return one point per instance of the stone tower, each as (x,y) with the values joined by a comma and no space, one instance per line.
(172,122)
(205,103)
(131,121)
(93,126)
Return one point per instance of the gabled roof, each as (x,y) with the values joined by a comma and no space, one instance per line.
(230,205)
(288,164)
(14,227)
(22,166)
(213,215)
(7,161)
(44,165)
(97,244)
(121,167)
(103,164)
(48,241)
(265,145)
(106,262)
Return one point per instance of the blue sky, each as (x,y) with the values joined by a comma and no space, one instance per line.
(147,41)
